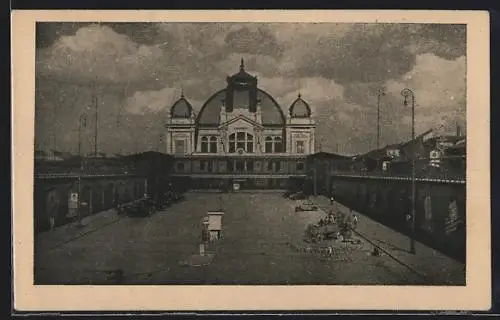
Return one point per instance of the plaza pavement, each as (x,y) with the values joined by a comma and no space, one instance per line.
(431,263)
(258,229)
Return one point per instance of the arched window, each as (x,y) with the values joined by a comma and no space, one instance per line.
(204,144)
(240,140)
(274,145)
(213,145)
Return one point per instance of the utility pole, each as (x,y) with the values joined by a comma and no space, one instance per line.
(315,163)
(82,121)
(406,93)
(96,122)
(54,130)
(379,94)
(54,143)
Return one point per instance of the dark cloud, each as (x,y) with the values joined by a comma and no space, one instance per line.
(48,32)
(363,54)
(142,33)
(444,40)
(375,53)
(337,67)
(258,40)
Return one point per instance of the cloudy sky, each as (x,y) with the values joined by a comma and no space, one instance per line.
(138,70)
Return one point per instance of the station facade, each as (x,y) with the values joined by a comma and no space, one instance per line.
(240,138)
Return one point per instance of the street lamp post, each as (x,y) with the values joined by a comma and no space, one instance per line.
(96,128)
(379,94)
(407,93)
(82,121)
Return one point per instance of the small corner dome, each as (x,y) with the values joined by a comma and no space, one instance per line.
(181,108)
(300,108)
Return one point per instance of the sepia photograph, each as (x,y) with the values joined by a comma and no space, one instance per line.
(262,153)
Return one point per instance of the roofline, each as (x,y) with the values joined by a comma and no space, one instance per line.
(197,121)
(280,110)
(277,105)
(191,109)
(290,109)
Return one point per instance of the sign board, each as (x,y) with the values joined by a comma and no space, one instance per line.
(435,156)
(215,220)
(385,165)
(73,200)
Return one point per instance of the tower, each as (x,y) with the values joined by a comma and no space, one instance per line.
(300,128)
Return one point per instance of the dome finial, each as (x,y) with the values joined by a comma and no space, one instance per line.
(182,91)
(300,95)
(242,65)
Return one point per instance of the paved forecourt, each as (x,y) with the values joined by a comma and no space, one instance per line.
(434,265)
(259,233)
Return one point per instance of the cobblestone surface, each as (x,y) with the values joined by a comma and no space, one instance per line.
(437,267)
(261,233)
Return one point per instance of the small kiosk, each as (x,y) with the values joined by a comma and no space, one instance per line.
(236,186)
(214,224)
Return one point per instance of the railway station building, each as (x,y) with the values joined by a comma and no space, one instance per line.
(241,138)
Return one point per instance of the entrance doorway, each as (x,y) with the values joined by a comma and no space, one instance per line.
(239,184)
(241,166)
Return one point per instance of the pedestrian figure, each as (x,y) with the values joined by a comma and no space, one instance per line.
(331,218)
(117,203)
(375,252)
(347,227)
(355,222)
(331,200)
(52,222)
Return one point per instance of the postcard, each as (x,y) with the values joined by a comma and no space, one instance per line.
(251,160)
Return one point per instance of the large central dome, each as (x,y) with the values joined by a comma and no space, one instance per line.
(241,92)
(271,111)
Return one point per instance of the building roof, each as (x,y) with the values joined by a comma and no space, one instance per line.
(300,108)
(377,153)
(242,75)
(181,108)
(272,114)
(328,155)
(451,139)
(392,146)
